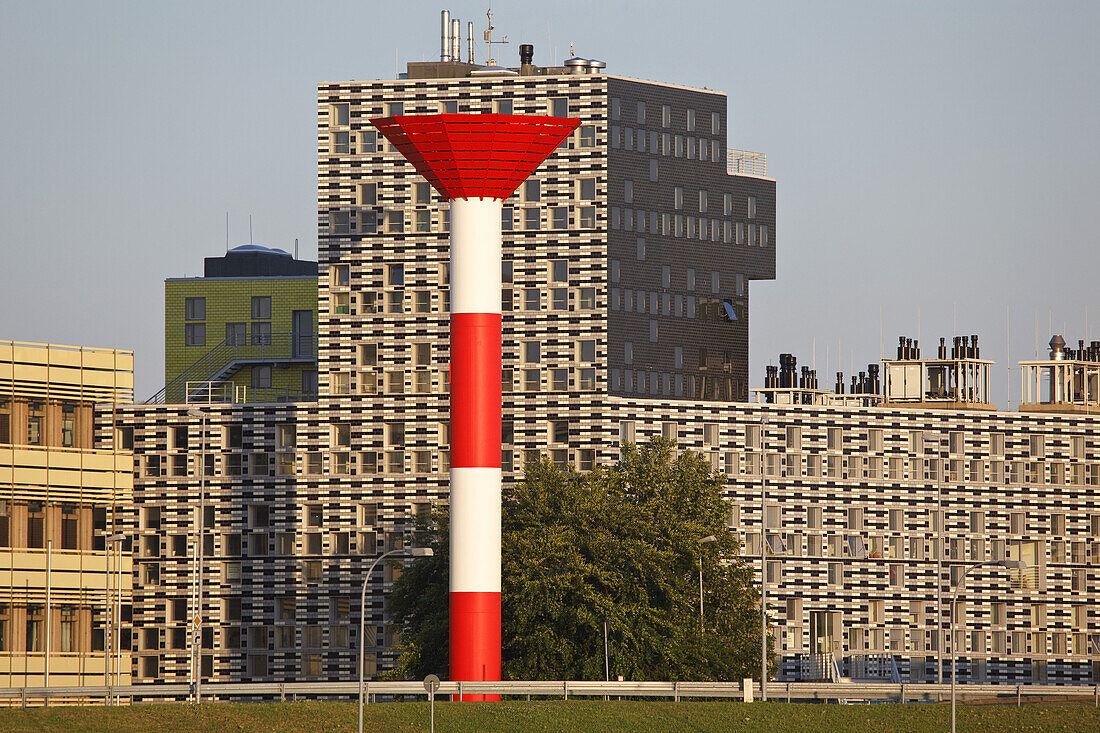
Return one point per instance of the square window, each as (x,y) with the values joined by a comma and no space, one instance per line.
(261,307)
(588,217)
(559,217)
(588,189)
(261,375)
(532,352)
(507,218)
(423,221)
(559,106)
(503,106)
(588,136)
(368,141)
(261,333)
(236,334)
(341,115)
(559,299)
(395,275)
(532,218)
(559,380)
(532,380)
(194,334)
(532,299)
(195,309)
(368,194)
(531,190)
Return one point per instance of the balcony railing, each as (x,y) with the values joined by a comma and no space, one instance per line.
(212,392)
(225,358)
(746,163)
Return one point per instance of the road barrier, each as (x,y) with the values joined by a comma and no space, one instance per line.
(777,691)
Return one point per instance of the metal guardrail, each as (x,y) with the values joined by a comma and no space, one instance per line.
(777,691)
(746,163)
(225,392)
(218,361)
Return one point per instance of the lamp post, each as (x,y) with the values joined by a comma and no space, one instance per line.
(763,567)
(117,537)
(702,541)
(196,619)
(412,552)
(1011,565)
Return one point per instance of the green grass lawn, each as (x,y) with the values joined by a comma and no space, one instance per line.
(551,715)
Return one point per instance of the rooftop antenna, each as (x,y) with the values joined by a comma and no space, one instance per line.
(1008,359)
(295,248)
(250,228)
(489,38)
(227,231)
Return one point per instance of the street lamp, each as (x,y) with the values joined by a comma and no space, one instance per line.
(1011,565)
(412,552)
(117,537)
(763,567)
(702,541)
(196,619)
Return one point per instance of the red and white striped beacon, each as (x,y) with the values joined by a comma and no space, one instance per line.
(475,161)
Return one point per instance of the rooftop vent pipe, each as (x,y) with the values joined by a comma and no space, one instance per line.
(444,46)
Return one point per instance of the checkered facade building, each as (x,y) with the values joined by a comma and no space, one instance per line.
(625,310)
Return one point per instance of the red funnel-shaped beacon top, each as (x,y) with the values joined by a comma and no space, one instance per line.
(475,155)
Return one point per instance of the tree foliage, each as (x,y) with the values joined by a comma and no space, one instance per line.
(619,544)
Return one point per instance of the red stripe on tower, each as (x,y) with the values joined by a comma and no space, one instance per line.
(475,161)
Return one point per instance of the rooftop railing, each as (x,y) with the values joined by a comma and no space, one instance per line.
(746,163)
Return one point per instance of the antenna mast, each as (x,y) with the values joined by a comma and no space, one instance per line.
(489,39)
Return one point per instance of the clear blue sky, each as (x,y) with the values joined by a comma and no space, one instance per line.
(937,162)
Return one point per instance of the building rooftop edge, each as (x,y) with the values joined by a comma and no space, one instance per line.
(620,77)
(755,406)
(66,347)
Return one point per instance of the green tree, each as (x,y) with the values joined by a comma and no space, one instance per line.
(619,544)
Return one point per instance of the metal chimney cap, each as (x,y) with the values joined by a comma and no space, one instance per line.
(576,61)
(1057,343)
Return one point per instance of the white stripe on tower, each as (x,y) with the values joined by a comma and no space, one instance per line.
(475,255)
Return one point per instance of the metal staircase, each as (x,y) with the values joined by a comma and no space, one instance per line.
(203,378)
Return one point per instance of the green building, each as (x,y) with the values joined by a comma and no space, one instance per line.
(244,332)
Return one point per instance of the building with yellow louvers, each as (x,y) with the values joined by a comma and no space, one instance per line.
(65,582)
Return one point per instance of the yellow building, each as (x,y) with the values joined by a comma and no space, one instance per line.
(244,332)
(60,502)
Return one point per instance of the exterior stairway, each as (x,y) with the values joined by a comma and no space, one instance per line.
(203,378)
